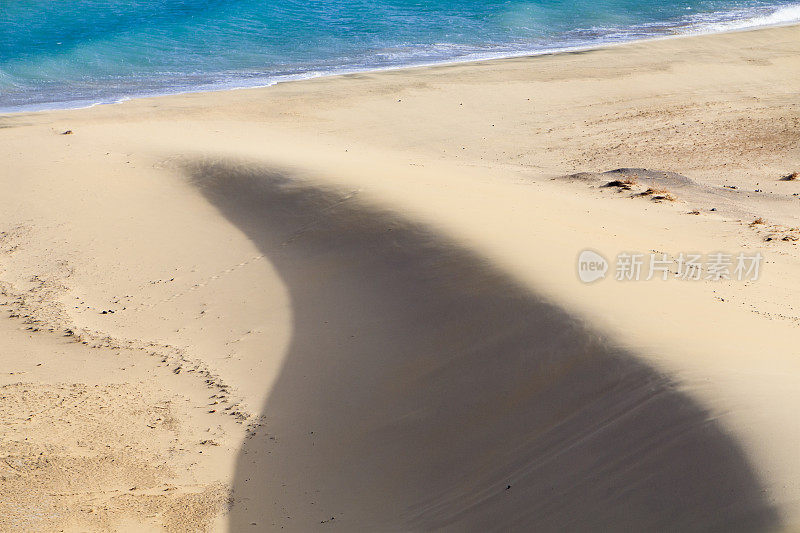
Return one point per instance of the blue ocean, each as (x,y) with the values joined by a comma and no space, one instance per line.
(72,53)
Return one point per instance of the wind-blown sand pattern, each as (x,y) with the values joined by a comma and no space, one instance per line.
(351,302)
(423,390)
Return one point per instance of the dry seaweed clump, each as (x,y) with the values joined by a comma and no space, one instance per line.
(781,233)
(659,194)
(624,184)
(758,221)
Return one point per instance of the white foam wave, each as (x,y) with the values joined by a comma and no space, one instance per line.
(782,16)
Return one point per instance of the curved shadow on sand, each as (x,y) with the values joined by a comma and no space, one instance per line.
(424,389)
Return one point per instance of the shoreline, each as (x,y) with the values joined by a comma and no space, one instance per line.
(449,62)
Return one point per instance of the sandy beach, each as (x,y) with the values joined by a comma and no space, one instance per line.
(352,302)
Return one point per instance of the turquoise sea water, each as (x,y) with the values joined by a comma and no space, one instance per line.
(69,53)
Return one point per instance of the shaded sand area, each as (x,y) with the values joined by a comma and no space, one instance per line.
(351,303)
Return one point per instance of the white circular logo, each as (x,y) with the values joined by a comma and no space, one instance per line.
(591,266)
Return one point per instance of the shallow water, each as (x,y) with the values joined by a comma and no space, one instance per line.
(69,53)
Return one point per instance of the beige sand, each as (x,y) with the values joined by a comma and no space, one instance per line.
(352,302)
